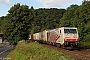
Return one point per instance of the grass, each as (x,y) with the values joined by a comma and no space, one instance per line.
(35,51)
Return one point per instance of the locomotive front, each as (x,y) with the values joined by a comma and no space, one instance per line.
(71,37)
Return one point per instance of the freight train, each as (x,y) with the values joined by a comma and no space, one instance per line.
(64,36)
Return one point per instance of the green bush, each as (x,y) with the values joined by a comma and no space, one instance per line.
(85,44)
(87,38)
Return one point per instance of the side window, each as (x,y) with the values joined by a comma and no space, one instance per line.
(60,31)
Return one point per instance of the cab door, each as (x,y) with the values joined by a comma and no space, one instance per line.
(61,37)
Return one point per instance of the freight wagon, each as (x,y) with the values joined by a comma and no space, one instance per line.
(64,36)
(36,36)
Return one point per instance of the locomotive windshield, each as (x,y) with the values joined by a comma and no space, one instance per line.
(70,31)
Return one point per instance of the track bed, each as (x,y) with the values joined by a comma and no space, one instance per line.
(78,54)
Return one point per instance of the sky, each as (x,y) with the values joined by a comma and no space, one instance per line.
(5,5)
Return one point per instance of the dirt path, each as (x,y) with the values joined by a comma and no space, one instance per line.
(81,54)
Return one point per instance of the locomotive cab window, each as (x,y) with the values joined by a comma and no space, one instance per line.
(70,31)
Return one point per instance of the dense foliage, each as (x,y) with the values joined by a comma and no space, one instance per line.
(15,25)
(46,19)
(22,20)
(78,16)
(1,19)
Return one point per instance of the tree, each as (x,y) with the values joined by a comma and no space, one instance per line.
(82,20)
(17,23)
(1,19)
(48,18)
(67,19)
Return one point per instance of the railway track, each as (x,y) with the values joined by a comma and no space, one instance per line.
(78,54)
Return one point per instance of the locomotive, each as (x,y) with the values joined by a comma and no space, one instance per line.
(64,36)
